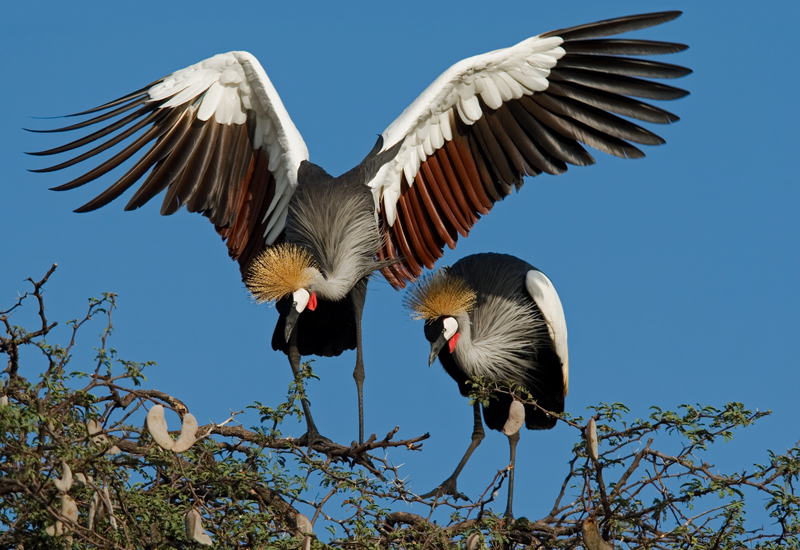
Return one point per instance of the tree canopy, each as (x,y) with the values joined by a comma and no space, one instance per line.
(87,461)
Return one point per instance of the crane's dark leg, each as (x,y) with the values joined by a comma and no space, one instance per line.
(449,486)
(359,296)
(512,444)
(312,435)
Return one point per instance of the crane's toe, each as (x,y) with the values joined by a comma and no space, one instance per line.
(448,488)
(314,441)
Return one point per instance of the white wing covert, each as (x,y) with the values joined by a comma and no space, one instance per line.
(543,292)
(220,142)
(469,139)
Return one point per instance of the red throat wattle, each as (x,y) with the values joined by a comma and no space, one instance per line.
(312,301)
(452,342)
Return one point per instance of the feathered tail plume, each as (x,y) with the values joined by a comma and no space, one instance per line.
(280,270)
(439,294)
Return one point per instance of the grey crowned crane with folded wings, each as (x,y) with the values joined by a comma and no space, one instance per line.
(497,318)
(217,139)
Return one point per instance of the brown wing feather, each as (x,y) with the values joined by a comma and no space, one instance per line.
(245,236)
(449,203)
(397,273)
(434,211)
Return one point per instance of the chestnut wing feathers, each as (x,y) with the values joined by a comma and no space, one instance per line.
(488,121)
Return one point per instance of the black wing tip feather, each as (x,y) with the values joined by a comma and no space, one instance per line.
(622,46)
(135,98)
(617,25)
(62,187)
(138,94)
(86,208)
(679,47)
(127,97)
(125,107)
(45,118)
(38,132)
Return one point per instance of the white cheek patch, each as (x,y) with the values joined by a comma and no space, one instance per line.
(300,298)
(450,327)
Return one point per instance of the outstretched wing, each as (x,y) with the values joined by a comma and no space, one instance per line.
(544,294)
(220,142)
(489,120)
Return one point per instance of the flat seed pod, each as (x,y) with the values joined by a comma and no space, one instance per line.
(83,479)
(95,428)
(193,524)
(187,437)
(55,530)
(109,507)
(68,508)
(473,541)
(304,524)
(101,439)
(3,400)
(93,510)
(65,483)
(591,536)
(157,426)
(516,418)
(591,439)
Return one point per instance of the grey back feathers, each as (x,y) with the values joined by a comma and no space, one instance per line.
(334,218)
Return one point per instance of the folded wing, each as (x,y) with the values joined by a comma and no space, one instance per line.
(489,120)
(544,294)
(217,140)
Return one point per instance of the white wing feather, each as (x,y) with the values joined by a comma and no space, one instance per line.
(231,84)
(544,294)
(496,77)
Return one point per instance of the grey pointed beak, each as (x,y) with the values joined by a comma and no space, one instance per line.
(291,321)
(436,347)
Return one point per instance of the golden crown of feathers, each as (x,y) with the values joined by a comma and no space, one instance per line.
(279,270)
(439,294)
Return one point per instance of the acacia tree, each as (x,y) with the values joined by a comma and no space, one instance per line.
(75,472)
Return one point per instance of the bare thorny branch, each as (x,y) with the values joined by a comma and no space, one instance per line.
(254,487)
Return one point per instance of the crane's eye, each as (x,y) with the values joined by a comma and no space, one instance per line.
(450,327)
(294,304)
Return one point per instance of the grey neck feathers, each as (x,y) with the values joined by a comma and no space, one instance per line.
(334,220)
(502,343)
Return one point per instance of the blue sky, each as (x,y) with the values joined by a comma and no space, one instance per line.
(677,272)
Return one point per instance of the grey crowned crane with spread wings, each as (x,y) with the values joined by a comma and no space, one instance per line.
(496,317)
(218,140)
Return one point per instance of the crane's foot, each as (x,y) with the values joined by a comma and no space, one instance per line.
(448,488)
(312,438)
